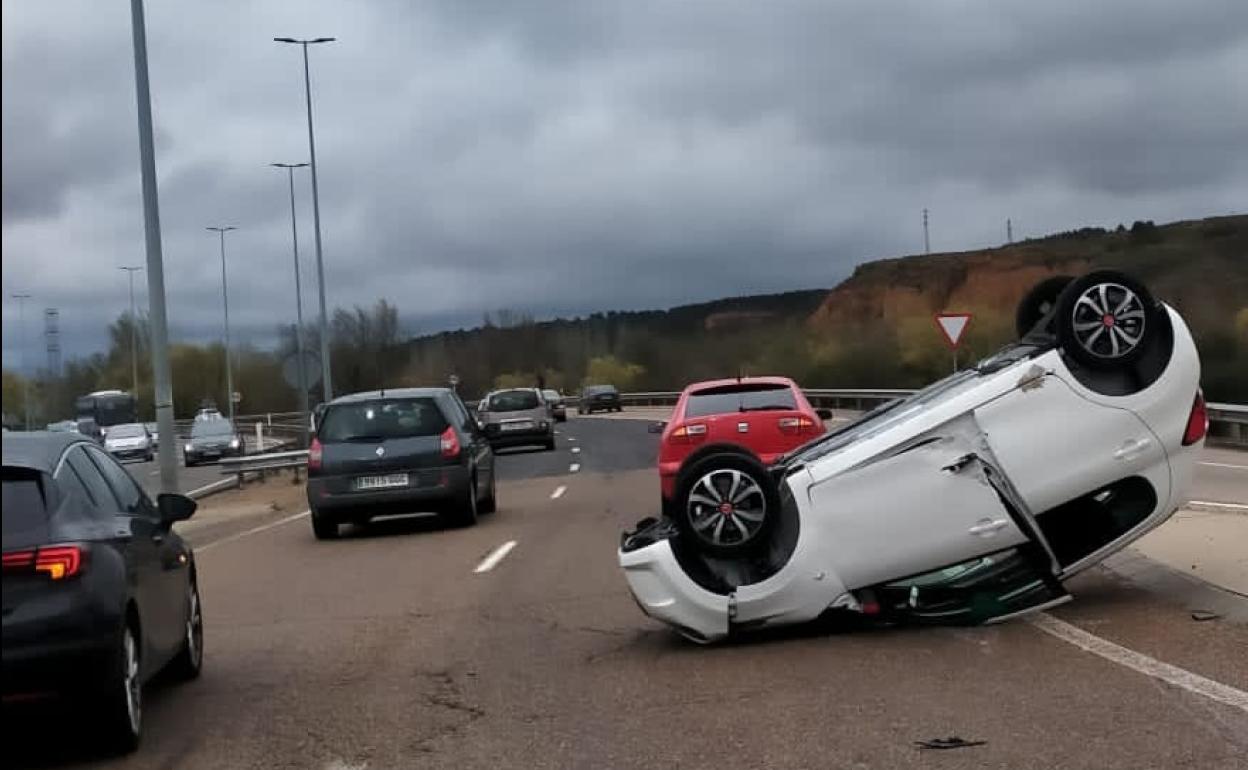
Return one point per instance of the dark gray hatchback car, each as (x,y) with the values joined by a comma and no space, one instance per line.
(398,451)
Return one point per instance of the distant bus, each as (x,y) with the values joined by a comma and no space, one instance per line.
(107,408)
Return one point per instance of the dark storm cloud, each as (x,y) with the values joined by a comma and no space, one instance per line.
(566,156)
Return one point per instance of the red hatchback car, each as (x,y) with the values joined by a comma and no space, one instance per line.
(769,416)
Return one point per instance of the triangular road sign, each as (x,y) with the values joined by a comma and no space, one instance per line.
(953,326)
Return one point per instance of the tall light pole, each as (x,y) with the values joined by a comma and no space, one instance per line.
(225,299)
(134,334)
(326,383)
(294,239)
(21,322)
(162,381)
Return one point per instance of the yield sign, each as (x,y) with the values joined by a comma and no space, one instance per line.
(953,326)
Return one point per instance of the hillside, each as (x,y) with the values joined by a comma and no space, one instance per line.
(1200,267)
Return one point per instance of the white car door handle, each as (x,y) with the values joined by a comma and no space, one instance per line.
(1131,449)
(988,526)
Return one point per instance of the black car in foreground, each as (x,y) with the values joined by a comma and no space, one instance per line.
(595,398)
(395,452)
(100,593)
(211,439)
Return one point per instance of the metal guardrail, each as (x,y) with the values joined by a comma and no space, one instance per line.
(261,463)
(1229,423)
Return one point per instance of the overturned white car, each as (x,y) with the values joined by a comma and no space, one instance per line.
(970,501)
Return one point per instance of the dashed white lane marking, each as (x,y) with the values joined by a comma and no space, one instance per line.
(252,531)
(497,555)
(576,450)
(558,493)
(571,438)
(1194,683)
(574,467)
(1225,465)
(1227,506)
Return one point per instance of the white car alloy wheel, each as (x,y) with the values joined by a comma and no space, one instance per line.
(1108,320)
(726,507)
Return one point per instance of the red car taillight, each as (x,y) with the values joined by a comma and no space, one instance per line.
(450,444)
(314,455)
(1197,421)
(58,562)
(796,425)
(689,434)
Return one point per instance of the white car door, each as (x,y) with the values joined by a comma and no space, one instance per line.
(923,508)
(1063,451)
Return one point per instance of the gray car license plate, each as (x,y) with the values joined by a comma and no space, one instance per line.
(523,425)
(389,481)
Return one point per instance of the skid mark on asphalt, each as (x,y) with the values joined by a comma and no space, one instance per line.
(1136,661)
(252,531)
(497,555)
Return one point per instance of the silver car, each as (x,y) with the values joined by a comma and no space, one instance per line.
(516,417)
(129,441)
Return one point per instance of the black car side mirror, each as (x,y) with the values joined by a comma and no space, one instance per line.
(657,427)
(824,414)
(174,507)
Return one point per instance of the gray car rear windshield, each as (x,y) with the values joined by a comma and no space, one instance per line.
(383,419)
(514,401)
(740,398)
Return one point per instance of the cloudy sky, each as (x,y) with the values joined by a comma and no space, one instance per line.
(563,156)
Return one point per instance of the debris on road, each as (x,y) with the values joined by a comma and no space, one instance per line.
(952,742)
(1202,615)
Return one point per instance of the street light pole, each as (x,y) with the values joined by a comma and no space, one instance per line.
(162,381)
(21,322)
(294,238)
(326,382)
(225,299)
(134,334)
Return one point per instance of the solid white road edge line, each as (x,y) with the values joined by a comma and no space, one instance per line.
(1230,506)
(489,562)
(558,493)
(576,449)
(1194,683)
(574,467)
(1225,465)
(252,531)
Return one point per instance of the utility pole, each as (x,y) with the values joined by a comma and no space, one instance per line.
(21,322)
(927,243)
(302,377)
(134,334)
(1009,231)
(225,300)
(162,381)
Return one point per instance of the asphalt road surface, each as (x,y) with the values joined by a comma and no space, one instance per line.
(389,649)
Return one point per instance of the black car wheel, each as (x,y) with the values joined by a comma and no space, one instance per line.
(1039,302)
(121,695)
(550,444)
(190,658)
(324,527)
(464,511)
(1106,319)
(725,503)
(490,503)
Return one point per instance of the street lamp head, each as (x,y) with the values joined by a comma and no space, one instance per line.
(284,40)
(288,165)
(323,40)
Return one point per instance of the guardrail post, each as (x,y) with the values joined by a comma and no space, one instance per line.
(259,437)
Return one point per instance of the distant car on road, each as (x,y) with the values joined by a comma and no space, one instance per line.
(516,417)
(100,593)
(154,432)
(766,416)
(398,451)
(596,398)
(89,428)
(208,413)
(130,441)
(64,426)
(554,402)
(212,440)
(975,499)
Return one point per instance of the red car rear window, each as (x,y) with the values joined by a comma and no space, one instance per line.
(727,399)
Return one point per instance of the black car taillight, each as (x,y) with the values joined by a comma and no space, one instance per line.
(314,455)
(57,562)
